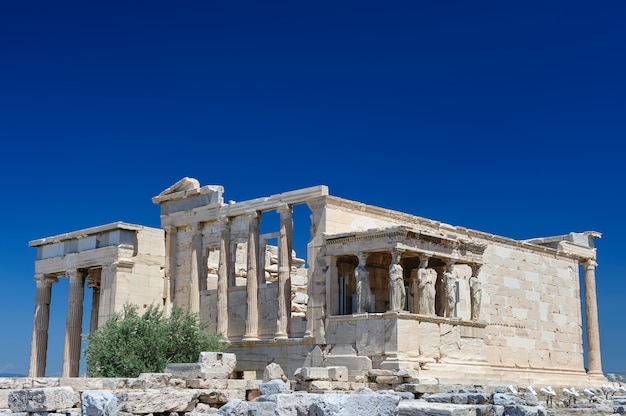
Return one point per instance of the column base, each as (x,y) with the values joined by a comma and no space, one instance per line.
(281,335)
(250,338)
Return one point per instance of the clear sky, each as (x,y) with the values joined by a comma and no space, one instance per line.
(504,117)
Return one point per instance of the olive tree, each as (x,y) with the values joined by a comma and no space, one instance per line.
(131,343)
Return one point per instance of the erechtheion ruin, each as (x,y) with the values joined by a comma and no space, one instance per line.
(379,289)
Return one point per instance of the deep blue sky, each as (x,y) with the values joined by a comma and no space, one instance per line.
(505,117)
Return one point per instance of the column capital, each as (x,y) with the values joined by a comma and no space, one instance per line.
(424,258)
(283,208)
(449,264)
(251,215)
(42,278)
(590,263)
(476,269)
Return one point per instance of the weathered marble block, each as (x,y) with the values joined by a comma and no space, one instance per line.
(42,400)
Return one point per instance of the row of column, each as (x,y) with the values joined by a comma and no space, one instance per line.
(73,325)
(226,272)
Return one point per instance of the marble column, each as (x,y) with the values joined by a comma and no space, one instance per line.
(196,268)
(93,279)
(169,283)
(332,287)
(252,284)
(74,324)
(316,306)
(222,276)
(284,272)
(397,293)
(41,320)
(594,363)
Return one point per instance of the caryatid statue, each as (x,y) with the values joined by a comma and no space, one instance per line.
(476,292)
(426,289)
(363,290)
(449,280)
(397,292)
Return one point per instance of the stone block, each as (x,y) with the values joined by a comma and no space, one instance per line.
(81,383)
(4,398)
(156,401)
(315,373)
(42,400)
(297,403)
(374,404)
(220,396)
(98,403)
(389,380)
(419,408)
(151,381)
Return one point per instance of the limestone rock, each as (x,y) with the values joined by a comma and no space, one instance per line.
(273,387)
(273,371)
(235,407)
(525,411)
(98,403)
(42,400)
(504,399)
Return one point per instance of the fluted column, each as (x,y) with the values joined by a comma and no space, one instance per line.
(252,285)
(222,277)
(196,268)
(284,272)
(594,362)
(41,320)
(73,325)
(94,283)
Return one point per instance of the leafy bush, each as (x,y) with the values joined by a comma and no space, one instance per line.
(130,343)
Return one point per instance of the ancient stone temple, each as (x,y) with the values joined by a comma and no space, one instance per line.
(379,289)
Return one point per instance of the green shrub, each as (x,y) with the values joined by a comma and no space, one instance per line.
(130,344)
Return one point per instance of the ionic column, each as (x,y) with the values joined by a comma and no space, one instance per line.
(94,283)
(222,277)
(252,284)
(284,272)
(594,362)
(196,268)
(39,344)
(73,325)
